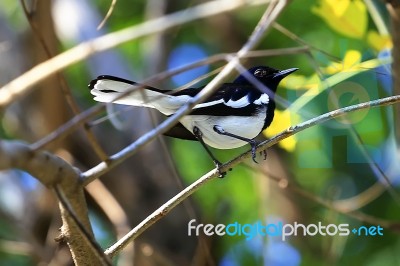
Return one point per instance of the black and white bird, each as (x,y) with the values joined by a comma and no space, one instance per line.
(232,117)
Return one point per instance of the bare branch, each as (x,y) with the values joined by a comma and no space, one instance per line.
(317,120)
(46,167)
(109,12)
(160,213)
(168,206)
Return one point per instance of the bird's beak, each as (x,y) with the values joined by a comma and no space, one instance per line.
(283,73)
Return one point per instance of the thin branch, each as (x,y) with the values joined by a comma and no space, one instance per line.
(169,205)
(299,40)
(222,57)
(160,213)
(362,198)
(67,128)
(109,12)
(377,170)
(24,83)
(317,120)
(377,17)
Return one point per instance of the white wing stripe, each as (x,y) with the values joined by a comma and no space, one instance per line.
(264,99)
(242,102)
(201,105)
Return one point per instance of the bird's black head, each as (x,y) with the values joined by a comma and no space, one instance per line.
(269,76)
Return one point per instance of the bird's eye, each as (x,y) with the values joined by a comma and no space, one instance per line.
(260,73)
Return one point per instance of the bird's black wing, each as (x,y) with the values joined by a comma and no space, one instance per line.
(227,91)
(229,99)
(223,110)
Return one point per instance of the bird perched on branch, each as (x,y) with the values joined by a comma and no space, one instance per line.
(231,117)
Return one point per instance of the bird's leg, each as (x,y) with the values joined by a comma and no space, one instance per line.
(199,135)
(252,142)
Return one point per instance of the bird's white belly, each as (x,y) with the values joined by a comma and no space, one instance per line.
(244,126)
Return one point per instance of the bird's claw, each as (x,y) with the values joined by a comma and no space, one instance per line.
(254,150)
(218,165)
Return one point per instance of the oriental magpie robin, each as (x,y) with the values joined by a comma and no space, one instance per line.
(233,116)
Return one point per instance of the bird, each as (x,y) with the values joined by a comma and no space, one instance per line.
(233,116)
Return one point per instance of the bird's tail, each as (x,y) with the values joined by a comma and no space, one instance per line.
(122,91)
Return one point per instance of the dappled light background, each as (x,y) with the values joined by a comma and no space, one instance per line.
(334,173)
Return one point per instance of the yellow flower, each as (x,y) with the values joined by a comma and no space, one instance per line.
(379,42)
(283,120)
(348,17)
(350,62)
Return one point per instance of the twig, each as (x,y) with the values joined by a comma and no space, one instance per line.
(361,199)
(67,128)
(377,17)
(169,205)
(221,57)
(317,120)
(109,12)
(376,169)
(299,40)
(160,212)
